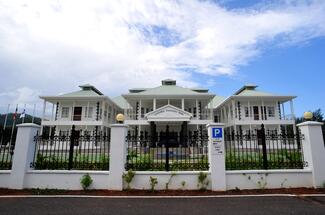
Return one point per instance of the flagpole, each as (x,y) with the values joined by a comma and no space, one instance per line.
(13,124)
(5,124)
(33,113)
(23,120)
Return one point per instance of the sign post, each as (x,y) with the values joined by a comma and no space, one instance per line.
(217,156)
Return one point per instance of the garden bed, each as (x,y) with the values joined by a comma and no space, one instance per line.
(295,191)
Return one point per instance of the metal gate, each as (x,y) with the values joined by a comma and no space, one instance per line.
(167,151)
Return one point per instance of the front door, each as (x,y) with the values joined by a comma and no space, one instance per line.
(77,113)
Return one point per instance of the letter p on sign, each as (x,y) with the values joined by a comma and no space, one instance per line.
(216,132)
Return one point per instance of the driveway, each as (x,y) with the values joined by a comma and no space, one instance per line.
(194,205)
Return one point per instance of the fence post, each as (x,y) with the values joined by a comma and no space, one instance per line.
(117,155)
(23,154)
(216,147)
(314,150)
(262,136)
(72,142)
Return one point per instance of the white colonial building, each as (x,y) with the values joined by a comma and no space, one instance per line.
(248,108)
(148,111)
(88,109)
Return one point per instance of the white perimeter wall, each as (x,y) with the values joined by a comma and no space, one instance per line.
(257,179)
(4,178)
(248,179)
(64,179)
(142,180)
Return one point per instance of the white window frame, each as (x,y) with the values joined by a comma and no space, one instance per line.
(89,112)
(65,115)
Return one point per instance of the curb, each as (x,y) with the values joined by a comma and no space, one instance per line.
(162,197)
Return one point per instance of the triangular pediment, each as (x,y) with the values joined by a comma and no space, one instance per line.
(168,113)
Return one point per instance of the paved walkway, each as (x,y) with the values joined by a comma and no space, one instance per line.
(211,205)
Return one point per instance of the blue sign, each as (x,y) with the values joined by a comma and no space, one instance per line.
(216,132)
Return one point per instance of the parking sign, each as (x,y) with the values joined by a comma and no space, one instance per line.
(216,132)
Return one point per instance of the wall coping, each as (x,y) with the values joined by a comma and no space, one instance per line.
(169,173)
(310,123)
(5,171)
(68,172)
(33,125)
(215,124)
(268,171)
(119,125)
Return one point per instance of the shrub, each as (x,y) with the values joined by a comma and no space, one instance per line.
(128,177)
(86,181)
(202,181)
(153,183)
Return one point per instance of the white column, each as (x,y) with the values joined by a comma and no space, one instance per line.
(103,109)
(72,111)
(43,117)
(283,113)
(139,111)
(233,109)
(314,150)
(154,104)
(263,112)
(276,110)
(52,113)
(211,111)
(217,156)
(117,156)
(292,110)
(197,109)
(182,104)
(23,154)
(249,110)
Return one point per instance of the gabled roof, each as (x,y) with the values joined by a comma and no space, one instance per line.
(168,113)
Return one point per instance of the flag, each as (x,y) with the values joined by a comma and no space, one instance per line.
(15,114)
(22,115)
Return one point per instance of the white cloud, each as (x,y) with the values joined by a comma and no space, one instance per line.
(53,46)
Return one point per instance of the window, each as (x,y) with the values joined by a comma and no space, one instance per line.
(246,112)
(271,111)
(89,112)
(65,112)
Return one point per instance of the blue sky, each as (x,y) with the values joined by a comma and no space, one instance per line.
(48,47)
(294,70)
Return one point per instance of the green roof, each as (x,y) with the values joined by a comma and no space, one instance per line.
(86,90)
(168,87)
(217,100)
(121,102)
(250,90)
(254,93)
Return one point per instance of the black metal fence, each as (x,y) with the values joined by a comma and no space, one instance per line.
(167,152)
(263,150)
(7,146)
(72,151)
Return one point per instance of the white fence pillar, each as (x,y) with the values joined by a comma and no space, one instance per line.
(217,156)
(314,150)
(23,154)
(117,155)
